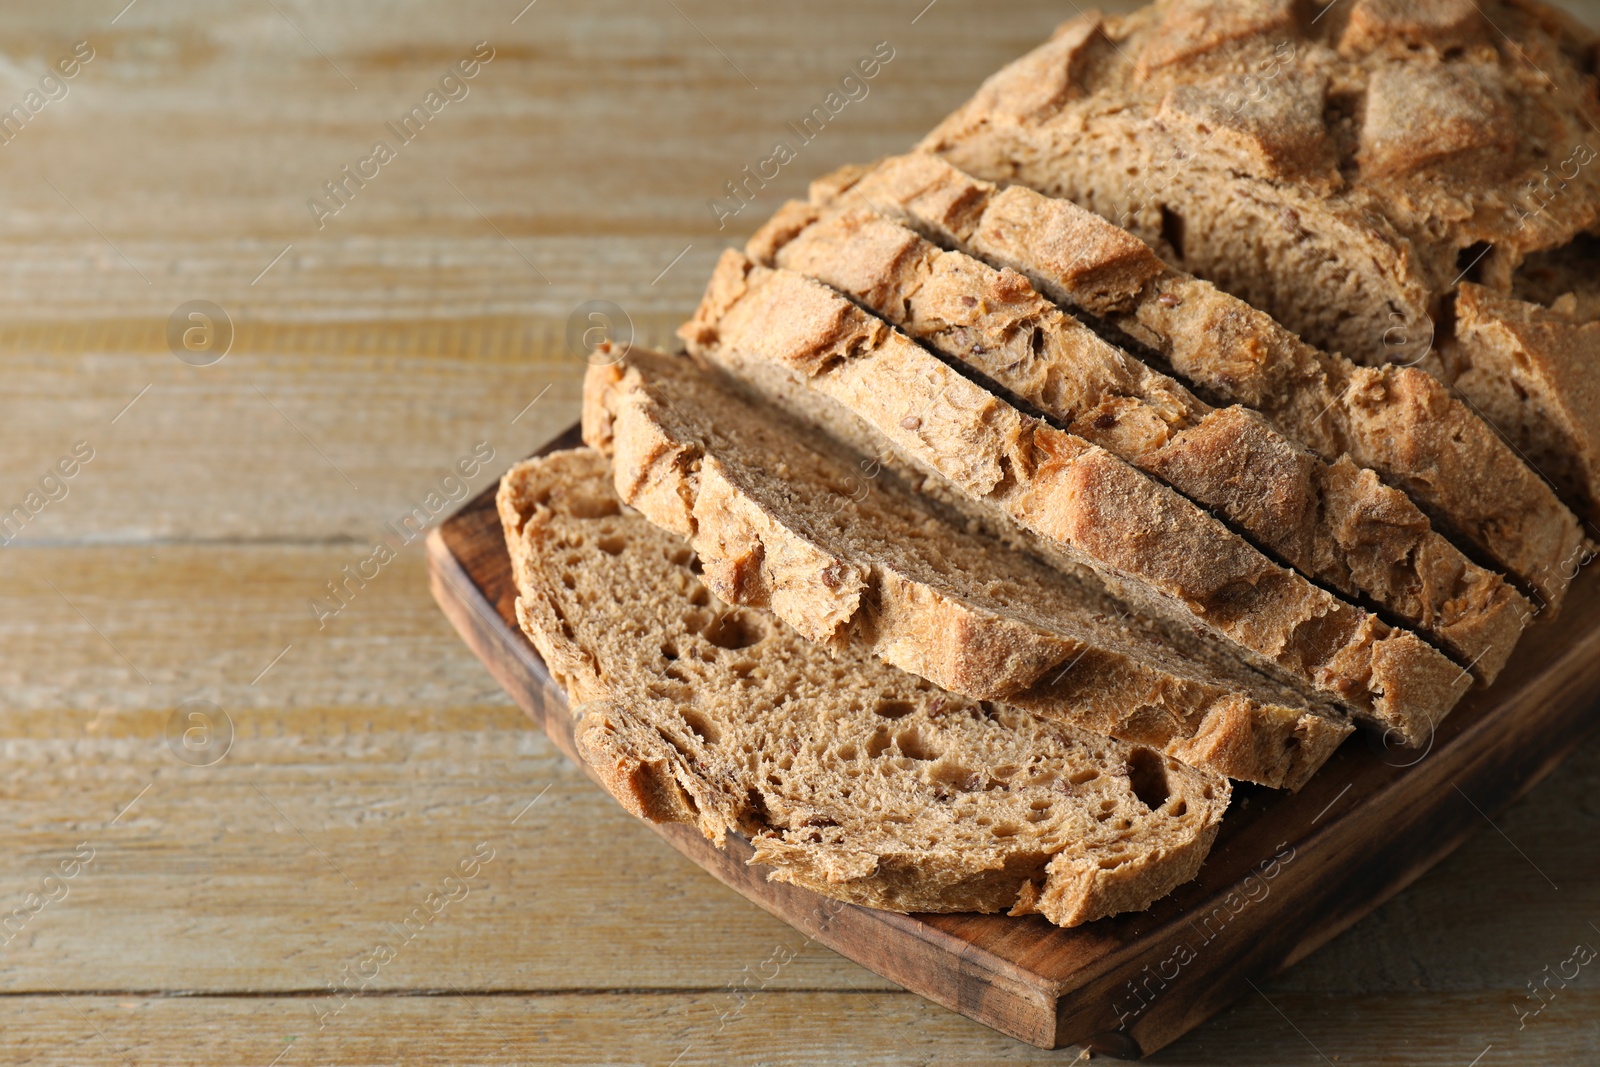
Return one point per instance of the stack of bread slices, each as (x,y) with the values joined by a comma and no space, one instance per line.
(1015,495)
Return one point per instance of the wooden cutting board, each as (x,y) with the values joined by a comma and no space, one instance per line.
(1287,873)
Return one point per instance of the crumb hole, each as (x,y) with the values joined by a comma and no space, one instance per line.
(1147,774)
(1172,229)
(894,709)
(911,743)
(734,631)
(1470,260)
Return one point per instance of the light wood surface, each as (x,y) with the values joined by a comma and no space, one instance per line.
(366,361)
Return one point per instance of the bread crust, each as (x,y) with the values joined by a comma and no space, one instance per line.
(850,778)
(1533,368)
(776,522)
(1333,522)
(1399,422)
(1345,173)
(1084,504)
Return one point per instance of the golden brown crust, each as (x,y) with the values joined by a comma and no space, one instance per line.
(1344,171)
(1086,504)
(1332,522)
(780,522)
(1397,421)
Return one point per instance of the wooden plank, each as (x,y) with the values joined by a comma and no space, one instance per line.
(1288,872)
(376,746)
(302,433)
(225,121)
(460,1028)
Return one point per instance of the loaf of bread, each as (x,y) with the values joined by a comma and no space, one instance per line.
(1334,522)
(782,518)
(1397,421)
(1152,547)
(1343,167)
(1216,378)
(849,777)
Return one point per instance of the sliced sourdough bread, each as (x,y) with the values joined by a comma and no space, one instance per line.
(1342,167)
(1154,548)
(1397,421)
(849,777)
(782,518)
(1334,522)
(1509,356)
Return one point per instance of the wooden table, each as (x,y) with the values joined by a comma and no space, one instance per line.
(176,895)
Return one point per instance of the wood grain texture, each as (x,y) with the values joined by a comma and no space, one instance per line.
(390,342)
(462,1028)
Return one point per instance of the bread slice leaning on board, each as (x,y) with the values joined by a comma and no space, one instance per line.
(849,777)
(1086,508)
(1335,523)
(783,518)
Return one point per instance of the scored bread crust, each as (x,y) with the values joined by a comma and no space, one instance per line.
(1344,174)
(1367,144)
(1087,506)
(850,778)
(1334,522)
(1397,421)
(783,519)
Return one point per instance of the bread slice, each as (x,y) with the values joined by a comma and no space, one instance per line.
(851,558)
(1343,174)
(1397,421)
(850,778)
(1334,522)
(1155,549)
(1533,369)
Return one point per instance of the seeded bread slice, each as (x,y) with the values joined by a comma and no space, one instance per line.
(1397,421)
(850,778)
(1155,549)
(844,553)
(1335,523)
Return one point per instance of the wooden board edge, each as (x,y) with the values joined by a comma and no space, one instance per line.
(1341,877)
(1004,993)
